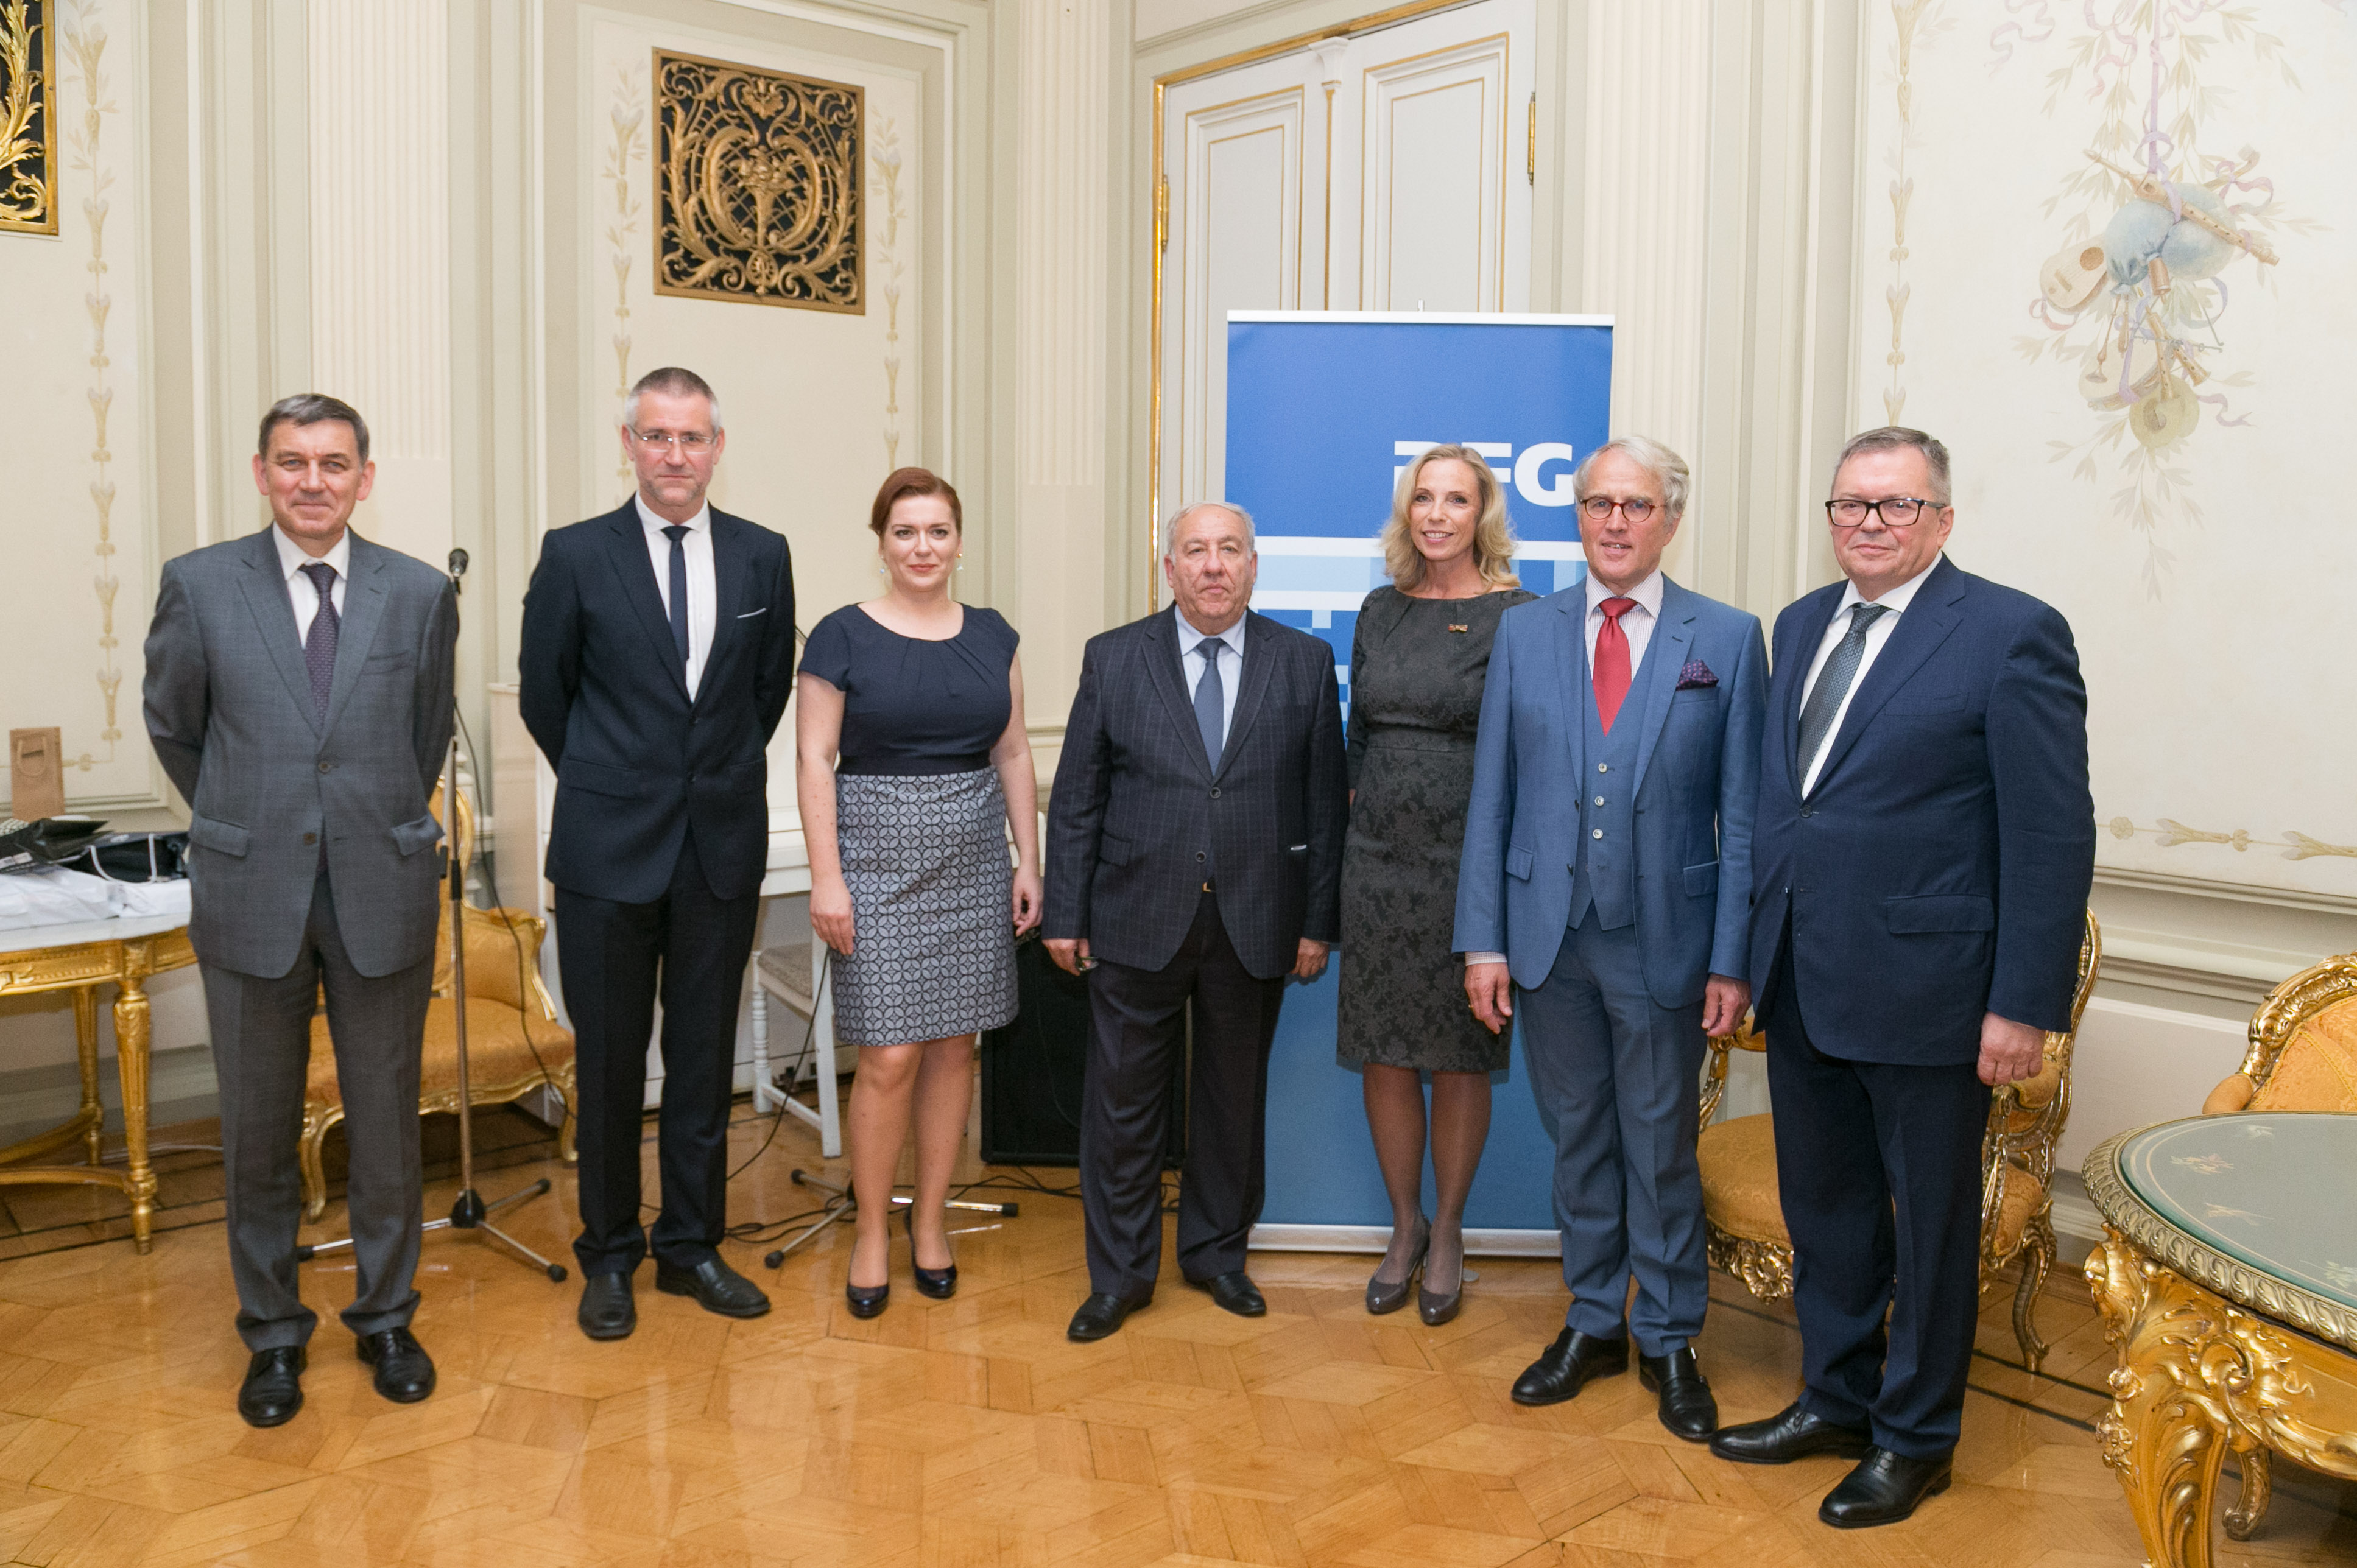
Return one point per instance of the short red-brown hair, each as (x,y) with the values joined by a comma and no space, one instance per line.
(902,483)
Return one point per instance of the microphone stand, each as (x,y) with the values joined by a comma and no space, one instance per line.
(470,1212)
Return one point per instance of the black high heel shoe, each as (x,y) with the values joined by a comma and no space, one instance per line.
(1436,1309)
(939,1283)
(866,1301)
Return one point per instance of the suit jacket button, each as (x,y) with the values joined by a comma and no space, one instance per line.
(1808,811)
(1199,857)
(310,838)
(326,767)
(1215,792)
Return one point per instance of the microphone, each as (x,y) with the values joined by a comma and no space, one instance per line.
(457,567)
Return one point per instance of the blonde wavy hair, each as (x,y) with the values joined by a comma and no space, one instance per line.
(1493,535)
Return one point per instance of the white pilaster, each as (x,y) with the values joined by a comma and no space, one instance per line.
(379,245)
(1061,266)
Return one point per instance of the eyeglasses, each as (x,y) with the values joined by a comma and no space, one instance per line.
(690,442)
(1596,509)
(1894,512)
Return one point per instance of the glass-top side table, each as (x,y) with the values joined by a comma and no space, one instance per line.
(2228,1281)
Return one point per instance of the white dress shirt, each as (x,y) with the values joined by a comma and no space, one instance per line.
(703,590)
(1894,604)
(301,597)
(1194,662)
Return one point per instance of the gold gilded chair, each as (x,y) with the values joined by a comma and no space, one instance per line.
(2303,1057)
(513,1041)
(1743,1212)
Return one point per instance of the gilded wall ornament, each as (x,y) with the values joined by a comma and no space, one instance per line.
(758,177)
(28,140)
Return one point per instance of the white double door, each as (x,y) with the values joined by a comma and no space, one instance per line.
(1386,171)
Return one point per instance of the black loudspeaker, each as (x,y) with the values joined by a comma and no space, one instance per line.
(1035,1072)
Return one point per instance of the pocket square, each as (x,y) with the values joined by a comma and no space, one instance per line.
(1696,674)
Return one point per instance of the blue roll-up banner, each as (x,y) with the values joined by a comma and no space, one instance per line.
(1325,408)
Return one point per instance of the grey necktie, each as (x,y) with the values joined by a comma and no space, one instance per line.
(1211,698)
(1833,685)
(319,642)
(677,535)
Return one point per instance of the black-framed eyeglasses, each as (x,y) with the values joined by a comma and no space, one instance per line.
(686,440)
(1596,509)
(1892,512)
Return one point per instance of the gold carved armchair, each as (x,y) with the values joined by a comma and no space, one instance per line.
(1743,1212)
(513,1041)
(2302,1056)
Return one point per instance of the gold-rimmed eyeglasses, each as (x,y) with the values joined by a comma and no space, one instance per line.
(688,441)
(1892,512)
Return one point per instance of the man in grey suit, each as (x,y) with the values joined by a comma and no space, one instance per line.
(1607,878)
(1194,861)
(298,693)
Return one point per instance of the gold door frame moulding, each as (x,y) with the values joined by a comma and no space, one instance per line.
(758,185)
(1158,208)
(28,117)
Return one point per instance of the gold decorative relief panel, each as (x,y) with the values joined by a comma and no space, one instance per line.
(28,142)
(758,176)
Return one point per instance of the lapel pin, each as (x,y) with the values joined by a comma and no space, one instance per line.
(1460,629)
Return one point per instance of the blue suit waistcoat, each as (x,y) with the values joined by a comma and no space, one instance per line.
(1695,787)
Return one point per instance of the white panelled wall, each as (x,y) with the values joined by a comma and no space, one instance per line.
(380,242)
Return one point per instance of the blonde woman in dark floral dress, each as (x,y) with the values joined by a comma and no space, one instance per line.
(1417,662)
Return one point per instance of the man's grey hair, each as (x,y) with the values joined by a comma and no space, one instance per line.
(672,381)
(1170,529)
(1668,469)
(1892,438)
(313,408)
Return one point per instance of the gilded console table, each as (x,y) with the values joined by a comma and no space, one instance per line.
(2228,1279)
(81,958)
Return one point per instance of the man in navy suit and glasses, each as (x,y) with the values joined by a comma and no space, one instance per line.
(657,654)
(1604,880)
(1920,863)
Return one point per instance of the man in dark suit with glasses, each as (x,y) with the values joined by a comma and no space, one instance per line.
(1920,861)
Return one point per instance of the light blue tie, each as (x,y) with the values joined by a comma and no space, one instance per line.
(1210,700)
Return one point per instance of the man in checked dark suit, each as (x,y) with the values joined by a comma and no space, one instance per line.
(1920,862)
(658,652)
(299,692)
(1194,862)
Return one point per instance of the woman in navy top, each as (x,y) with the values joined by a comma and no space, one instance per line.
(912,766)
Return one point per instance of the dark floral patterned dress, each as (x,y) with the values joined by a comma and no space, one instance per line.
(1416,672)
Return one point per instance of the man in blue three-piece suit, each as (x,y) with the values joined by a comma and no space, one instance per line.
(1922,856)
(1605,878)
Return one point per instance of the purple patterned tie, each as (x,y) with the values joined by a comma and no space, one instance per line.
(320,643)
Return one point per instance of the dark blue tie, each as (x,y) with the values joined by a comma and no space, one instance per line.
(1832,684)
(676,533)
(1211,699)
(319,642)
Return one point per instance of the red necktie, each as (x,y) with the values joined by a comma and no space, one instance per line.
(1611,661)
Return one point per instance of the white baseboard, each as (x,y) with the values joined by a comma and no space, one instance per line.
(1375,1238)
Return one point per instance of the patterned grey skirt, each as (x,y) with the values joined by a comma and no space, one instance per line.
(932,934)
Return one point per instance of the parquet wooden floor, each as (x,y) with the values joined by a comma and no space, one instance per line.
(971,1432)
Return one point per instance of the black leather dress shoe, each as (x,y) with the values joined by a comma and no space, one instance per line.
(1688,1407)
(1790,1434)
(1234,1293)
(1573,1361)
(1101,1315)
(404,1372)
(1885,1488)
(607,1310)
(715,1287)
(272,1390)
